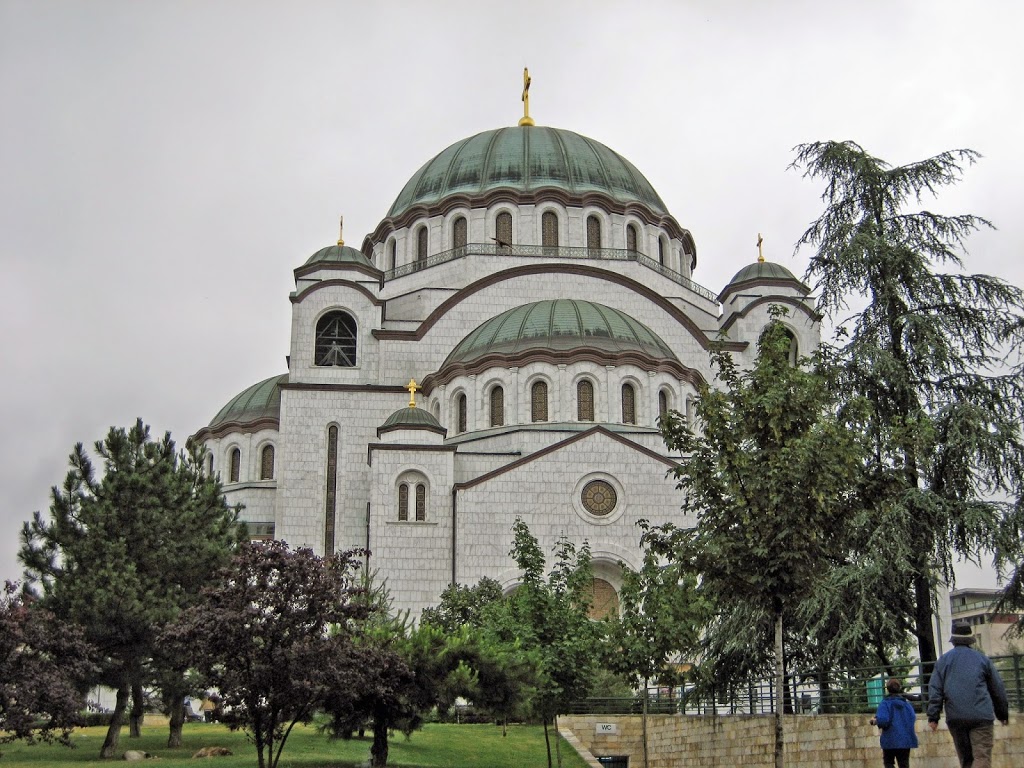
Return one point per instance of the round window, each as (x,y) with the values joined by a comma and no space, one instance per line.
(598,498)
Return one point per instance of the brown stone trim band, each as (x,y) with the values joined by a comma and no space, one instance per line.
(791,301)
(295,298)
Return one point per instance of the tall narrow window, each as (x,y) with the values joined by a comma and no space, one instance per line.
(460,232)
(549,229)
(403,502)
(392,253)
(209,464)
(585,401)
(628,404)
(236,465)
(661,251)
(421,502)
(336,340)
(689,412)
(503,229)
(460,408)
(593,232)
(421,244)
(331,489)
(267,463)
(663,403)
(497,407)
(539,401)
(794,351)
(632,238)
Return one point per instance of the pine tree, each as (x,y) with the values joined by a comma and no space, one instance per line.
(928,351)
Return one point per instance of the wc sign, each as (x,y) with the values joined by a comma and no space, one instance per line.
(607,729)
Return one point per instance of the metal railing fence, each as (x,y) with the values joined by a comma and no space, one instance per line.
(806,692)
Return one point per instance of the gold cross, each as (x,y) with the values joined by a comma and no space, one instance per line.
(760,254)
(341,228)
(412,386)
(526,119)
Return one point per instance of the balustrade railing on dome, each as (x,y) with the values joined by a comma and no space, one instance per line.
(549,252)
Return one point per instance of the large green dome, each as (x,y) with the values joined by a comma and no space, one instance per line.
(526,159)
(559,326)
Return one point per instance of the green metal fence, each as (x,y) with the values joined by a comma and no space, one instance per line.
(806,692)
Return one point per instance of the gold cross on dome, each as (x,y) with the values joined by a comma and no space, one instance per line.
(526,119)
(760,253)
(412,386)
(341,228)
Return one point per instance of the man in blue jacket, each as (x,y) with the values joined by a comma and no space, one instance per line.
(968,685)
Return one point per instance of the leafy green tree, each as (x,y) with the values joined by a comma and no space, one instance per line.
(44,667)
(548,617)
(463,606)
(660,617)
(767,478)
(926,350)
(125,550)
(274,636)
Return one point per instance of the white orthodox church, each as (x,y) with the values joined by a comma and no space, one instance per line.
(541,295)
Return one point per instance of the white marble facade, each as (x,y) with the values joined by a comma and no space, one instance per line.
(345,443)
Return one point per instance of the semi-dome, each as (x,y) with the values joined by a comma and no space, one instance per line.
(259,403)
(411,417)
(560,326)
(526,159)
(339,254)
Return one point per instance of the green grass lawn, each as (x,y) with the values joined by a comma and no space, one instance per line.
(441,746)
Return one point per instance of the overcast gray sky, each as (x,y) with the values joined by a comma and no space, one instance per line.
(164,166)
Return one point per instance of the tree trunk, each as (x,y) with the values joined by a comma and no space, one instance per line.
(643,722)
(135,719)
(109,747)
(547,741)
(923,594)
(780,684)
(176,704)
(379,748)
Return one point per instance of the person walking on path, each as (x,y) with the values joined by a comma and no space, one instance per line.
(896,717)
(968,686)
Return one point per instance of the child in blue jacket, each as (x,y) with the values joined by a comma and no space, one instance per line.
(896,717)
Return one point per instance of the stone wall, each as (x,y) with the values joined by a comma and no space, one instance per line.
(814,741)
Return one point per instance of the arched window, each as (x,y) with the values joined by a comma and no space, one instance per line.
(632,238)
(689,412)
(539,401)
(503,229)
(460,409)
(421,244)
(403,502)
(584,401)
(661,251)
(236,465)
(336,340)
(460,232)
(604,601)
(421,502)
(549,229)
(794,350)
(497,407)
(628,404)
(663,403)
(267,463)
(209,464)
(392,253)
(593,232)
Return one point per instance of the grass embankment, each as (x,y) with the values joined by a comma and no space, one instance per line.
(436,746)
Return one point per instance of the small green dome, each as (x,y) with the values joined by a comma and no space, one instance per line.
(338,254)
(762,270)
(258,402)
(526,159)
(411,418)
(560,325)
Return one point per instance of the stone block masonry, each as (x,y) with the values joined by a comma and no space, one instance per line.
(811,741)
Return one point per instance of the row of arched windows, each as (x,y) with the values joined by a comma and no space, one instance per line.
(235,464)
(539,404)
(503,236)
